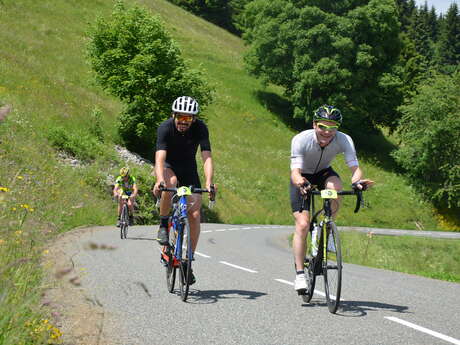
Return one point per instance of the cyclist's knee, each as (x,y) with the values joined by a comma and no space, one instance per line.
(302,225)
(334,182)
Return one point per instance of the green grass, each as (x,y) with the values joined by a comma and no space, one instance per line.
(428,257)
(44,77)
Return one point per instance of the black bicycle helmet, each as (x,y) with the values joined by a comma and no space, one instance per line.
(328,113)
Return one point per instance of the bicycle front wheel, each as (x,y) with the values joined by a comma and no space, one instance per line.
(186,262)
(124,222)
(332,267)
(309,269)
(168,255)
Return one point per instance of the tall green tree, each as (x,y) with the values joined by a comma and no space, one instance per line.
(430,148)
(449,38)
(341,52)
(420,33)
(135,59)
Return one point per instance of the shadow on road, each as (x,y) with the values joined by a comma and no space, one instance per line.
(358,308)
(140,238)
(212,296)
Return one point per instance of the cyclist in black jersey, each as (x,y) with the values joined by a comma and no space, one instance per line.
(178,139)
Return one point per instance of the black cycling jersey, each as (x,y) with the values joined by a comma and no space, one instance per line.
(181,148)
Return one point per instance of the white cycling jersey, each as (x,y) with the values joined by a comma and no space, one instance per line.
(308,156)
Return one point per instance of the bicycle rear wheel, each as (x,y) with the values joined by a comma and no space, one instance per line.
(185,266)
(332,268)
(124,222)
(309,270)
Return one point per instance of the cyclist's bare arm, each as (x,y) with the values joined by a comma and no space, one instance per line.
(116,190)
(160,159)
(208,168)
(357,178)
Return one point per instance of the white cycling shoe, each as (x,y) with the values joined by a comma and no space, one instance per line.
(300,282)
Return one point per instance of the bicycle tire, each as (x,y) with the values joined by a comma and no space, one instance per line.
(124,222)
(332,268)
(309,265)
(186,261)
(170,268)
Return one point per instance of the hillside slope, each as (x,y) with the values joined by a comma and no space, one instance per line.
(45,78)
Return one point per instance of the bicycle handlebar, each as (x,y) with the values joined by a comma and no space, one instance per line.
(212,200)
(355,191)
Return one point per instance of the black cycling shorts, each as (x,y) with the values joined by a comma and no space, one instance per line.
(185,177)
(318,179)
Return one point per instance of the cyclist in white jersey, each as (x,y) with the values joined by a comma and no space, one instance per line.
(312,152)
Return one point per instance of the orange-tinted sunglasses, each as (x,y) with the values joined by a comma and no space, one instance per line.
(184,118)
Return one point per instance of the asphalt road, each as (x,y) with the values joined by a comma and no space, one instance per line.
(244,294)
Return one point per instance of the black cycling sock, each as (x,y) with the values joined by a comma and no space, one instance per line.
(299,272)
(164,221)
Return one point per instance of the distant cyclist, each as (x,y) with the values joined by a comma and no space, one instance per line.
(312,152)
(178,139)
(125,184)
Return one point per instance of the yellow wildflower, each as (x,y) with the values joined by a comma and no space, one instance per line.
(4,189)
(18,233)
(46,251)
(13,209)
(20,177)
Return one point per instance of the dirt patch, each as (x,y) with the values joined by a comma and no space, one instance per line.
(79,315)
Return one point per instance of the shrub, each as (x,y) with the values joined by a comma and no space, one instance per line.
(430,147)
(135,59)
(82,146)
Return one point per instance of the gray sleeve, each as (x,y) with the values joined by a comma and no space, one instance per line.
(349,151)
(297,152)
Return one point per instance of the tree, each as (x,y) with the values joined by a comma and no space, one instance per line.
(135,59)
(430,147)
(449,38)
(340,52)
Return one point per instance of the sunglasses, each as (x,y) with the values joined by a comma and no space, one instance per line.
(324,127)
(184,118)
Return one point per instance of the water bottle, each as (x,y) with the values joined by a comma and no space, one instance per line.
(314,241)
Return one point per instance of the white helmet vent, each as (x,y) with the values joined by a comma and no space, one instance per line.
(186,105)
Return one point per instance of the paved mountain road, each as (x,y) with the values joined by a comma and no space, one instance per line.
(244,294)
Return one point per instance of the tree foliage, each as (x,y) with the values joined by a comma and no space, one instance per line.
(449,38)
(224,13)
(430,147)
(136,60)
(340,52)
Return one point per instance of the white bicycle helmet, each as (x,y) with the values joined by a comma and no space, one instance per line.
(185,105)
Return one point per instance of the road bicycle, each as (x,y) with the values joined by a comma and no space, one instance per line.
(327,259)
(124,217)
(178,254)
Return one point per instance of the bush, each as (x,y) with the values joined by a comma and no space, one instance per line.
(430,147)
(135,59)
(80,145)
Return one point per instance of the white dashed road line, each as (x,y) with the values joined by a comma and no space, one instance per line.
(236,266)
(424,330)
(202,255)
(316,290)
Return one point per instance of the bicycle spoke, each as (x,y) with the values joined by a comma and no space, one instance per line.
(332,269)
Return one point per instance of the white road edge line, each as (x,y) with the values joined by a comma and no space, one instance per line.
(424,330)
(236,266)
(203,255)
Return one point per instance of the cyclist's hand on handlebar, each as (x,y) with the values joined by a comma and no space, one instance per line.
(212,191)
(303,185)
(362,184)
(157,187)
